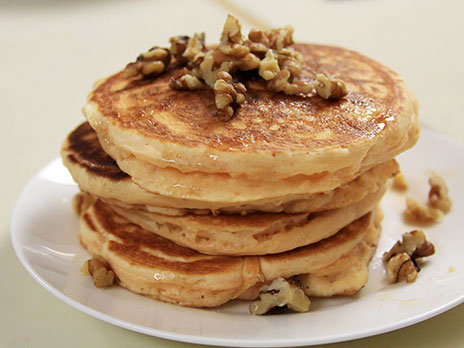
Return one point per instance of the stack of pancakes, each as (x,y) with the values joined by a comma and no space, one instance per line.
(194,210)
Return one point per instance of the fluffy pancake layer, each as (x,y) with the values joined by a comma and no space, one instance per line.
(306,135)
(346,276)
(252,234)
(152,265)
(97,173)
(349,273)
(217,187)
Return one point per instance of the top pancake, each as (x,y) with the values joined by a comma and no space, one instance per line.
(271,134)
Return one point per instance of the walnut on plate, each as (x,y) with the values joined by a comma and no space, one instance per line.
(402,260)
(100,271)
(439,194)
(420,213)
(438,204)
(402,267)
(281,292)
(399,182)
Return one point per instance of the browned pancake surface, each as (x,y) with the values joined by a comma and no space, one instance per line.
(148,249)
(149,264)
(86,151)
(271,122)
(133,241)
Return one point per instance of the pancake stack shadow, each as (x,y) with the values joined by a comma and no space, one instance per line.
(192,210)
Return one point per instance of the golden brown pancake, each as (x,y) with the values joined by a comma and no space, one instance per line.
(148,264)
(271,136)
(217,187)
(346,276)
(98,174)
(349,273)
(252,234)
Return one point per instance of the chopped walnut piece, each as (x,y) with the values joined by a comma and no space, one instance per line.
(195,45)
(402,259)
(329,87)
(399,182)
(100,271)
(85,269)
(290,59)
(256,48)
(234,51)
(413,243)
(150,64)
(207,69)
(232,31)
(178,47)
(269,66)
(281,83)
(401,267)
(264,52)
(186,80)
(279,293)
(420,213)
(438,195)
(228,92)
(276,39)
(232,48)
(247,62)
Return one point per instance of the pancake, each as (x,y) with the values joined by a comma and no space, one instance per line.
(252,234)
(148,264)
(98,174)
(271,136)
(214,187)
(345,277)
(349,273)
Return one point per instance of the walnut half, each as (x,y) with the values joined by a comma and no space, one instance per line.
(279,293)
(402,259)
(402,267)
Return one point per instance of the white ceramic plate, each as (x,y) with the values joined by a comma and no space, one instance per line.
(44,230)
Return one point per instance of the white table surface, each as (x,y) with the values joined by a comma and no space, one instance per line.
(53,50)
